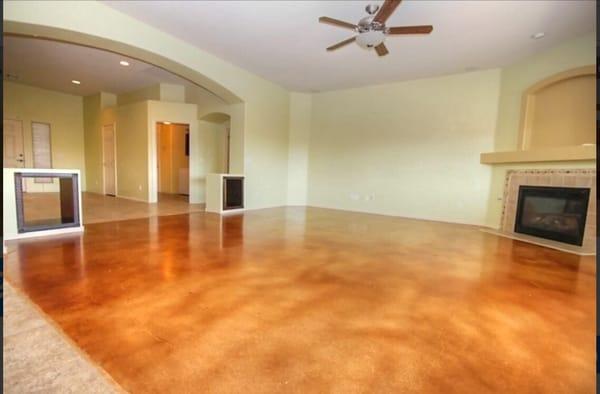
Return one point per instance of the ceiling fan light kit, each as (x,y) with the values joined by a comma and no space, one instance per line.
(370,39)
(372,30)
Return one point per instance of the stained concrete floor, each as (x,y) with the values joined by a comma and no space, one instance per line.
(309,300)
(39,359)
(97,208)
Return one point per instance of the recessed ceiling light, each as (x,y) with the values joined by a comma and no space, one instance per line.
(76,82)
(537,36)
(124,63)
(166,122)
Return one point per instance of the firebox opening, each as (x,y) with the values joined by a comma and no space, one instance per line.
(556,213)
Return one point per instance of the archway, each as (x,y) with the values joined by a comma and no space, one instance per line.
(79,38)
(234,105)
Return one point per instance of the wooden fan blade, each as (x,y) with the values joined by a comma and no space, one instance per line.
(337,22)
(425,29)
(341,44)
(386,10)
(381,49)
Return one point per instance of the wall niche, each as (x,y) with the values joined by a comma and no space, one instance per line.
(560,111)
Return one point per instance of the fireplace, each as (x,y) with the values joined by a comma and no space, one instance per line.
(233,192)
(556,213)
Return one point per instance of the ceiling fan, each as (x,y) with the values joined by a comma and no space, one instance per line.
(372,29)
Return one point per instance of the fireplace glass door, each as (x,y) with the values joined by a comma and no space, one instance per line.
(556,213)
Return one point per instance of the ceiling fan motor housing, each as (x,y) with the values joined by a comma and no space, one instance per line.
(370,33)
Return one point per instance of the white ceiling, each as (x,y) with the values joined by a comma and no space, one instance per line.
(283,42)
(52,65)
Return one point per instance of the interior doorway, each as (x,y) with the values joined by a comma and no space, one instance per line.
(173,160)
(13,144)
(108,159)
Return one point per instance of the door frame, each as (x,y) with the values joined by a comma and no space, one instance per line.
(22,141)
(153,148)
(114,131)
(158,156)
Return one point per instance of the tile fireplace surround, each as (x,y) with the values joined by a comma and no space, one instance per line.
(557,178)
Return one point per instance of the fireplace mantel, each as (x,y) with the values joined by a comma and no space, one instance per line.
(550,154)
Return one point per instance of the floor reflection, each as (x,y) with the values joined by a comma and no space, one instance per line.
(224,303)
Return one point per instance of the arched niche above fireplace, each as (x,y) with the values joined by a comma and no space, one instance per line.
(558,120)
(560,111)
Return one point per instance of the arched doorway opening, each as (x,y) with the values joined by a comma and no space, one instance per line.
(231,105)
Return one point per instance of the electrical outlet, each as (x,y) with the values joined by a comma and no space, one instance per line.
(369,197)
(354,196)
(140,187)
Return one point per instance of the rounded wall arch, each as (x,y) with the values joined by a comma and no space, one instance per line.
(234,106)
(80,38)
(216,117)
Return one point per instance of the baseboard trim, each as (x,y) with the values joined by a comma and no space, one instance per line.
(396,216)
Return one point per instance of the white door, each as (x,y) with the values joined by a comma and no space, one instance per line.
(13,143)
(108,159)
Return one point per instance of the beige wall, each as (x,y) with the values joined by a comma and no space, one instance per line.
(132,150)
(98,110)
(515,80)
(208,146)
(396,148)
(298,150)
(147,93)
(409,149)
(158,92)
(172,93)
(223,147)
(92,115)
(64,113)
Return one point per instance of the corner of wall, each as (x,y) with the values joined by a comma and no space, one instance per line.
(300,113)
